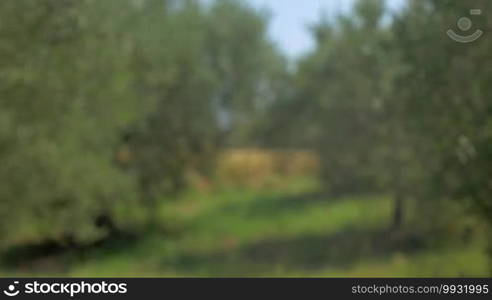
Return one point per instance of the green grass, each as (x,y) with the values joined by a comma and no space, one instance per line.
(285,232)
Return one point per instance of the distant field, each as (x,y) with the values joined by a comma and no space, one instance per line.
(293,232)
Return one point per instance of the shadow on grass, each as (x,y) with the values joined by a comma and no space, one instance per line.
(313,252)
(278,205)
(305,253)
(54,256)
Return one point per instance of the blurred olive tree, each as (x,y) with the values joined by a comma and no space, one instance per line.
(395,105)
(106,105)
(65,95)
(442,94)
(206,71)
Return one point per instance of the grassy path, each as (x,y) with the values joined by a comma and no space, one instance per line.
(288,231)
(295,232)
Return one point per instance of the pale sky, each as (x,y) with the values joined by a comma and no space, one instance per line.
(290,19)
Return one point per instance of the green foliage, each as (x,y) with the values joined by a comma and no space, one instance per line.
(107,105)
(208,74)
(173,75)
(397,106)
(340,93)
(58,136)
(444,104)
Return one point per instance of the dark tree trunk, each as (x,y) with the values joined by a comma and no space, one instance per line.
(398,212)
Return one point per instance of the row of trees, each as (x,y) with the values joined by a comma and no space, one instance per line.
(398,106)
(105,104)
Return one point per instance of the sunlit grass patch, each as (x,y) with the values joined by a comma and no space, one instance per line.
(289,232)
(454,261)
